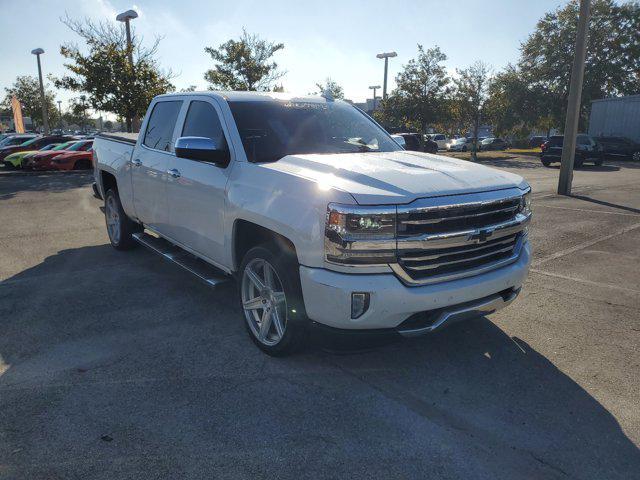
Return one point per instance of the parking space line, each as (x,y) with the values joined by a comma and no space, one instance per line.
(586,282)
(588,210)
(584,245)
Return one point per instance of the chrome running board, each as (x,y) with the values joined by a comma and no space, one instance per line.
(456,313)
(204,271)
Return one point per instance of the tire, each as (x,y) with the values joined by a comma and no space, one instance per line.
(635,156)
(546,163)
(120,228)
(83,164)
(280,298)
(464,149)
(598,162)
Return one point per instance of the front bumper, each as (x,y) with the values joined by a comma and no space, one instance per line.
(327,296)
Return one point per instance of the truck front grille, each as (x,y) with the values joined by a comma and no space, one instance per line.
(447,241)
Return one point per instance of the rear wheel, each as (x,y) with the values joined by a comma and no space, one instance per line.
(578,162)
(598,162)
(82,165)
(119,227)
(636,157)
(271,298)
(546,163)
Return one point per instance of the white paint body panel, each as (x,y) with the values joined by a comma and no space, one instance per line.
(200,208)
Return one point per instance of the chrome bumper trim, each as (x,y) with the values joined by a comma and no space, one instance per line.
(485,306)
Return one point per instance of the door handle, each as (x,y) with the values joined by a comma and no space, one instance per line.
(174,173)
(136,163)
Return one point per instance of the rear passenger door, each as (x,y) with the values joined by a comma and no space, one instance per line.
(149,165)
(196,190)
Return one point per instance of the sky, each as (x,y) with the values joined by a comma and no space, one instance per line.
(337,39)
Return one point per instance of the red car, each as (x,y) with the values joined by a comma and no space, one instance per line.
(42,160)
(70,159)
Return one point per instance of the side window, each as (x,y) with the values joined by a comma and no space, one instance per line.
(161,124)
(202,121)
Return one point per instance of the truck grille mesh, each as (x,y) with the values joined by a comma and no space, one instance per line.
(452,240)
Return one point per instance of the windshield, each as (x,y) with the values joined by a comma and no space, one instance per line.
(271,130)
(63,146)
(49,147)
(460,140)
(77,146)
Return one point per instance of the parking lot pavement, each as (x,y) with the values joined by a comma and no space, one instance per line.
(117,365)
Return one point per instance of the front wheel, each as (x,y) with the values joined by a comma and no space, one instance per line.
(271,298)
(119,227)
(636,157)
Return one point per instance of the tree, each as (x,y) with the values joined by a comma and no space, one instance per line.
(612,61)
(105,74)
(420,96)
(472,87)
(27,91)
(331,87)
(244,64)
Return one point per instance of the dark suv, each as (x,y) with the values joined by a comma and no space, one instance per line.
(418,143)
(587,149)
(619,147)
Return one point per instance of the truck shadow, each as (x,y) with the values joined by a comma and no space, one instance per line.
(122,343)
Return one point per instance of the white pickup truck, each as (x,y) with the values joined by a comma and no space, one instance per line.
(318,214)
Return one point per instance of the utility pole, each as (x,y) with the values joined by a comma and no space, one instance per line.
(60,112)
(386,57)
(375,89)
(573,106)
(126,17)
(45,121)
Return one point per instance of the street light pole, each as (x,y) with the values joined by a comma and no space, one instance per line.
(126,17)
(60,112)
(386,57)
(45,121)
(375,89)
(573,105)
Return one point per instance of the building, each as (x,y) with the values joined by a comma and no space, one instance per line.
(616,117)
(6,123)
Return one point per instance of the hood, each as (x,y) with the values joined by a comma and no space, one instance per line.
(375,178)
(21,154)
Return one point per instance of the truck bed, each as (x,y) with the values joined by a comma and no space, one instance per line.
(120,137)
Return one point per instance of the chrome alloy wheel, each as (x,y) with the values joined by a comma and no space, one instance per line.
(112,215)
(264,301)
(636,156)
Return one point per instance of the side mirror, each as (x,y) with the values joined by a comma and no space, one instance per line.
(202,149)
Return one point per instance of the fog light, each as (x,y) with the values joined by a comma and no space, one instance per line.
(359,304)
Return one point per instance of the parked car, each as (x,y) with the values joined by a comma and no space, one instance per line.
(16,160)
(76,157)
(399,139)
(412,141)
(619,147)
(42,160)
(297,198)
(459,145)
(441,139)
(35,143)
(537,141)
(587,149)
(15,139)
(429,145)
(493,144)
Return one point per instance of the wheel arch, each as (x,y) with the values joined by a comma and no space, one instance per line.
(247,234)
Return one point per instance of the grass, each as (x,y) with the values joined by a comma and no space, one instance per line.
(496,154)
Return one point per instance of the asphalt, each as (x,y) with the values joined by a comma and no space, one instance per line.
(118,365)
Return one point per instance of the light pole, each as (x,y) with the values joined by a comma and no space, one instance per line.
(126,17)
(60,112)
(573,107)
(375,89)
(45,121)
(386,57)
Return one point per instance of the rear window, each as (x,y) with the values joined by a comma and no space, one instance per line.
(583,140)
(556,141)
(161,124)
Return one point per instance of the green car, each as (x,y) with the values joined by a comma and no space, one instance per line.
(17,159)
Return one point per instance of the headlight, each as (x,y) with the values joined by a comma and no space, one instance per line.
(525,203)
(360,235)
